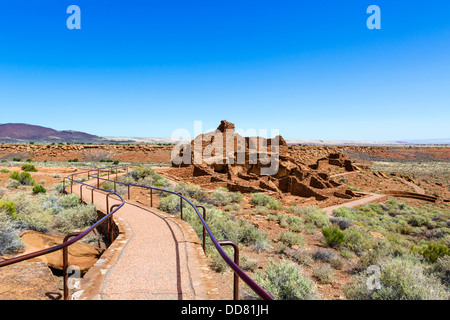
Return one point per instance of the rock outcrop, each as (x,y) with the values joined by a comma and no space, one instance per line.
(81,254)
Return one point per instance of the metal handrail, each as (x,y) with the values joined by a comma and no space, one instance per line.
(217,244)
(66,243)
(238,272)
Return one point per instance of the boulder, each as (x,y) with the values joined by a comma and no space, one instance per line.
(81,254)
(28,281)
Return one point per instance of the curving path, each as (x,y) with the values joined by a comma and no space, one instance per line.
(156,256)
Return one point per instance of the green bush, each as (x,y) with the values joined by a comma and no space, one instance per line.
(29,168)
(8,208)
(39,189)
(23,178)
(334,237)
(284,281)
(4,171)
(434,251)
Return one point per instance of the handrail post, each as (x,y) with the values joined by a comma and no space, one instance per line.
(151,197)
(71,185)
(128,192)
(64,186)
(81,193)
(204,228)
(236,260)
(66,263)
(181,206)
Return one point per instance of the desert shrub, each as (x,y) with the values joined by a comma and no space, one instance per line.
(295,223)
(324,255)
(58,188)
(191,190)
(232,208)
(29,168)
(283,220)
(3,192)
(314,215)
(248,264)
(441,269)
(291,238)
(142,172)
(337,263)
(263,200)
(302,257)
(8,208)
(12,184)
(217,263)
(345,253)
(285,281)
(170,204)
(344,212)
(259,199)
(75,218)
(343,223)
(310,228)
(4,170)
(261,211)
(236,197)
(325,274)
(401,278)
(433,251)
(334,237)
(56,175)
(221,197)
(68,201)
(418,220)
(35,220)
(23,178)
(358,240)
(39,189)
(9,237)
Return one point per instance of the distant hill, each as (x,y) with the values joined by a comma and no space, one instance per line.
(21,132)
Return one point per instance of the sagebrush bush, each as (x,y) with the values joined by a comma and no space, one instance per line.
(170,204)
(401,278)
(263,200)
(325,274)
(285,281)
(75,218)
(323,255)
(314,215)
(291,238)
(358,240)
(68,201)
(9,236)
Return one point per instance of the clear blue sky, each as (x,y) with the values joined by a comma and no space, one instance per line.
(311,69)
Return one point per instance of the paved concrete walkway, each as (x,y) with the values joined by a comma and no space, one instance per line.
(156,256)
(370,197)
